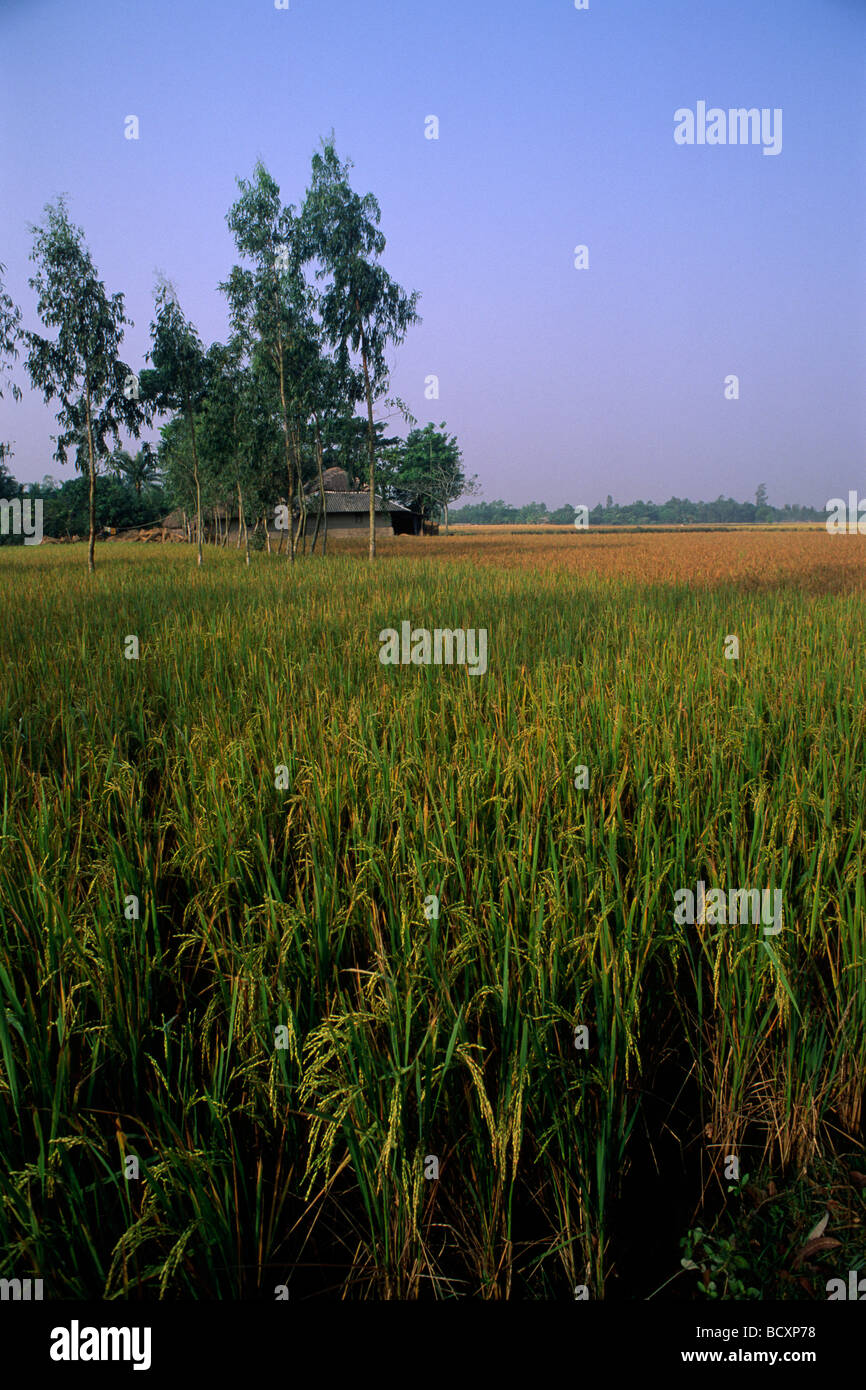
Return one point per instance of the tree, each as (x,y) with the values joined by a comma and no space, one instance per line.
(443,461)
(178,379)
(362,307)
(175,462)
(348,446)
(8,488)
(237,436)
(140,469)
(80,368)
(10,336)
(326,392)
(763,512)
(426,473)
(267,301)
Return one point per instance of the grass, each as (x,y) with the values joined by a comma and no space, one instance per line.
(283,1036)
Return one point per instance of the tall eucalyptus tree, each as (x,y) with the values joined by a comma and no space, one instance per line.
(79,367)
(362,308)
(179,377)
(266,302)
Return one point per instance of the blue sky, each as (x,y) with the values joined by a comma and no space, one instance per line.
(556,129)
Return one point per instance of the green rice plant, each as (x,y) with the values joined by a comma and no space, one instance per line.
(235,976)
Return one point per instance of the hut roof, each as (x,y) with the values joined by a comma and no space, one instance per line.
(339,501)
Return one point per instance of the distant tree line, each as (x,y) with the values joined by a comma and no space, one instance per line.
(677,511)
(118,501)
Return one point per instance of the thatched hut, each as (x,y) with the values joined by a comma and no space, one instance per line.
(348,509)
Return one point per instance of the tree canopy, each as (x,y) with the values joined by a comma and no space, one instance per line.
(79,366)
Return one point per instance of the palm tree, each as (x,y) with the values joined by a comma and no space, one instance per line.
(140,469)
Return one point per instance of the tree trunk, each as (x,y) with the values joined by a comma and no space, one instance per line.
(445,505)
(285,412)
(91,544)
(197,484)
(322,515)
(298,530)
(289,467)
(370,439)
(240,516)
(267,534)
(301,533)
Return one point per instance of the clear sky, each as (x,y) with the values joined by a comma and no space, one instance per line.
(556,129)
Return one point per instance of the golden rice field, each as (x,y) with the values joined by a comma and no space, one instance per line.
(241,1052)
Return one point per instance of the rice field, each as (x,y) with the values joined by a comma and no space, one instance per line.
(333,979)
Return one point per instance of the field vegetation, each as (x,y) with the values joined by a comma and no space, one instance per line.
(301,915)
